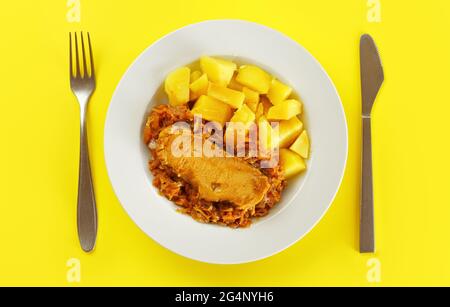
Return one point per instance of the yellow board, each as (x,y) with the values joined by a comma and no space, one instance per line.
(39,136)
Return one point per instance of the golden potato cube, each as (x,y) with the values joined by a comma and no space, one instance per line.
(278,92)
(266,135)
(291,163)
(251,98)
(240,123)
(285,110)
(259,110)
(254,78)
(195,75)
(301,145)
(243,115)
(212,109)
(234,85)
(289,130)
(219,71)
(199,87)
(177,86)
(234,98)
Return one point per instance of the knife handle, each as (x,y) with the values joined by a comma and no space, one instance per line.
(367,231)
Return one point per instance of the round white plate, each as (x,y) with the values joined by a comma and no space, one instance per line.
(306,199)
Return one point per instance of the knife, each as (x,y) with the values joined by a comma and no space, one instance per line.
(372,78)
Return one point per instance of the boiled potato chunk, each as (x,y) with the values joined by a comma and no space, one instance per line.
(289,130)
(266,104)
(251,98)
(219,71)
(199,87)
(254,78)
(234,98)
(239,124)
(177,86)
(301,145)
(196,74)
(212,109)
(259,110)
(234,85)
(278,92)
(267,137)
(291,163)
(243,115)
(285,110)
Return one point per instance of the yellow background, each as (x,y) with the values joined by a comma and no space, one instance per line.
(39,137)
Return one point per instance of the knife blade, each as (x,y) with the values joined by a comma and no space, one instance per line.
(372,77)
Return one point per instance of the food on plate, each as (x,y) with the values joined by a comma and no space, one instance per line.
(199,86)
(177,86)
(291,163)
(218,70)
(229,191)
(254,78)
(251,98)
(212,109)
(266,135)
(285,110)
(234,98)
(243,115)
(301,145)
(289,130)
(211,182)
(278,92)
(195,75)
(224,179)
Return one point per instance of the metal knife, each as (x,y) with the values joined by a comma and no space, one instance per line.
(372,78)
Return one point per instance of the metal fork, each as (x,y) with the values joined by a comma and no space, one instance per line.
(82,83)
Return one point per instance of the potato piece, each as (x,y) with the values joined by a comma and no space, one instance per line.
(177,86)
(244,115)
(212,109)
(218,70)
(278,92)
(266,135)
(291,163)
(289,131)
(195,75)
(199,87)
(285,110)
(231,97)
(259,110)
(301,145)
(254,78)
(251,98)
(234,85)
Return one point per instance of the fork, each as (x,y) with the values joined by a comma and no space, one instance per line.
(82,83)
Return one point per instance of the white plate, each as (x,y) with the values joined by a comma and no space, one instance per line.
(305,200)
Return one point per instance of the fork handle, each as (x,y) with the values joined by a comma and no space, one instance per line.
(367,233)
(86,208)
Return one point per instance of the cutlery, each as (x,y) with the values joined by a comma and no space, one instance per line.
(372,78)
(82,83)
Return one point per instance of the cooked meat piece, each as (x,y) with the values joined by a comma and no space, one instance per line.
(217,178)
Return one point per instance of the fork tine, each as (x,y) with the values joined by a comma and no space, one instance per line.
(78,73)
(91,57)
(70,55)
(85,71)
